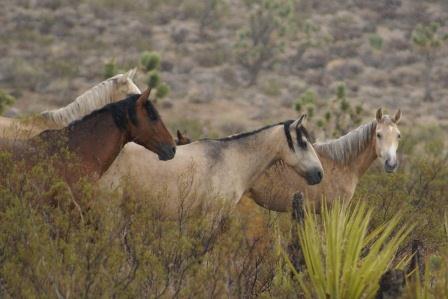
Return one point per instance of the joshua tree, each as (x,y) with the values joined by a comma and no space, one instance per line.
(260,42)
(150,62)
(428,41)
(338,117)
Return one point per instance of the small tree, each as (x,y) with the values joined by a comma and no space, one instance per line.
(5,101)
(428,42)
(259,44)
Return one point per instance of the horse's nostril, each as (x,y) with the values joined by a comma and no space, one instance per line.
(320,174)
(174,149)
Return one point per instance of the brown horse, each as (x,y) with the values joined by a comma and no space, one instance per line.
(344,161)
(97,139)
(182,139)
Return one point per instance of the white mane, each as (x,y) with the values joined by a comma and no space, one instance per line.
(347,147)
(91,100)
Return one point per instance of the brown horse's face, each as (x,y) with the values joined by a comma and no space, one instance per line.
(150,130)
(387,137)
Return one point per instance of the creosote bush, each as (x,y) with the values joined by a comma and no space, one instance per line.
(93,244)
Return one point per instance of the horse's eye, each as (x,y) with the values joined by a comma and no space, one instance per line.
(399,136)
(378,135)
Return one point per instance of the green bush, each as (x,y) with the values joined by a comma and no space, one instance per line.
(376,42)
(110,69)
(5,100)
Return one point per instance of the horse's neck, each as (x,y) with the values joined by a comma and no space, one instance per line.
(365,158)
(355,168)
(97,141)
(250,156)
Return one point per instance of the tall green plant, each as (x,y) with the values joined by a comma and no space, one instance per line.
(343,258)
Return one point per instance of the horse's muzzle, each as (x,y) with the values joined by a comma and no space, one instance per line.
(167,152)
(390,166)
(314,176)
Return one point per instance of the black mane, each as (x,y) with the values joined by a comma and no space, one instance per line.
(122,111)
(301,131)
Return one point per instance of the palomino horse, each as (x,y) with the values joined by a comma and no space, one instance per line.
(214,168)
(108,91)
(97,139)
(344,161)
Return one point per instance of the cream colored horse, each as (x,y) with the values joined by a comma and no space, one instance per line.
(111,90)
(344,161)
(214,168)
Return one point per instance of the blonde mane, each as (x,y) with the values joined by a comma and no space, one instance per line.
(346,148)
(91,100)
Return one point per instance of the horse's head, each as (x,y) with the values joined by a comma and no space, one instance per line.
(125,86)
(148,129)
(387,137)
(300,154)
(182,139)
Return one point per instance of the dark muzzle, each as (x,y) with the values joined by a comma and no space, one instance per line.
(167,152)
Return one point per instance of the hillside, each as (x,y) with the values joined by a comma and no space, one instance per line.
(52,50)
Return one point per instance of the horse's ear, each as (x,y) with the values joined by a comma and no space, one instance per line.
(131,73)
(179,135)
(299,121)
(379,114)
(397,116)
(144,97)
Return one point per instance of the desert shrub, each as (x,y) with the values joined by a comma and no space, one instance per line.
(106,245)
(5,100)
(334,249)
(428,40)
(376,41)
(310,37)
(259,43)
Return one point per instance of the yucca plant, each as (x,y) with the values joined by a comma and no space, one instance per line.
(343,258)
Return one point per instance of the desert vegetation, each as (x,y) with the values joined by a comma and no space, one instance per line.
(220,67)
